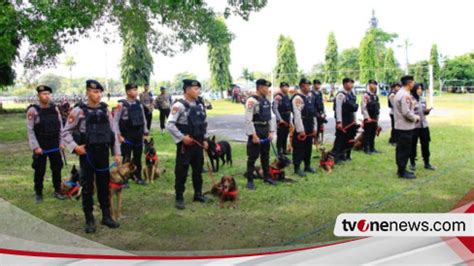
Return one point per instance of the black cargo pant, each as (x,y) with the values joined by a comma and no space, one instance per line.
(302,149)
(370,130)
(148,117)
(403,150)
(133,149)
(282,137)
(164,113)
(424,135)
(261,150)
(188,155)
(55,164)
(343,143)
(95,165)
(393,132)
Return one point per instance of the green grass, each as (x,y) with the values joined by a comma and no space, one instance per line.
(267,217)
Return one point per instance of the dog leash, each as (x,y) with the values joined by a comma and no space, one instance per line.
(51,151)
(209,170)
(114,164)
(127,141)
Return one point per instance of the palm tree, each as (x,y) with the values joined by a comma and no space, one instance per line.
(70,63)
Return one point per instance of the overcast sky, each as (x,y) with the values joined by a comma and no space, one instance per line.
(447,23)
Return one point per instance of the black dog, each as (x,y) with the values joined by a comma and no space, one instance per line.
(220,150)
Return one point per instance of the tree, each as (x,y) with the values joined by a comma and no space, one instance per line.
(459,70)
(391,71)
(348,61)
(247,75)
(434,61)
(420,71)
(286,69)
(9,43)
(367,58)
(177,82)
(330,60)
(169,26)
(137,62)
(317,72)
(219,57)
(70,63)
(52,80)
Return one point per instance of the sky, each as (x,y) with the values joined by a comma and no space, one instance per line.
(449,24)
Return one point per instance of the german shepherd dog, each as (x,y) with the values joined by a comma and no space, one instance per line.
(226,190)
(118,177)
(152,170)
(220,150)
(359,140)
(71,187)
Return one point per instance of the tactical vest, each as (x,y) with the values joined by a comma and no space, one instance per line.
(388,100)
(284,108)
(373,106)
(48,129)
(308,113)
(98,131)
(134,126)
(261,120)
(197,125)
(349,107)
(318,101)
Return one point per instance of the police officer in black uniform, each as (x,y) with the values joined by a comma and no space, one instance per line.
(304,118)
(370,108)
(345,108)
(282,110)
(44,125)
(131,124)
(89,132)
(188,127)
(259,129)
(320,110)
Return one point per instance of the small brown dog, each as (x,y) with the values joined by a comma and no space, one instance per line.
(359,140)
(118,177)
(226,190)
(327,160)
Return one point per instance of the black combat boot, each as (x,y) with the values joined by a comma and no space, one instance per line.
(200,198)
(90,224)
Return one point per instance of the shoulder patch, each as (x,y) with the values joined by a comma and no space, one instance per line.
(250,104)
(71,118)
(30,115)
(174,110)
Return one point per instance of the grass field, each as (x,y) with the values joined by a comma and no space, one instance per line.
(288,214)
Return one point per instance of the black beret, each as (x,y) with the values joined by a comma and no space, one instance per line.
(130,86)
(162,88)
(42,88)
(316,81)
(372,81)
(346,80)
(94,84)
(284,84)
(263,82)
(190,83)
(406,78)
(304,81)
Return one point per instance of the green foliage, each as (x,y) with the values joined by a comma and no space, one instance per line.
(381,39)
(434,61)
(459,70)
(52,80)
(247,75)
(348,61)
(137,62)
(286,69)
(330,60)
(420,71)
(9,43)
(317,72)
(367,58)
(219,57)
(392,71)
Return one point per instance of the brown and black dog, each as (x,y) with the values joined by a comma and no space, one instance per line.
(327,159)
(152,170)
(359,140)
(276,169)
(118,177)
(226,190)
(71,187)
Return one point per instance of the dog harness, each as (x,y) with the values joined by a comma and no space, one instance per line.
(274,172)
(326,163)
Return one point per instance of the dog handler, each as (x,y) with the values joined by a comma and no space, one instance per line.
(282,110)
(188,127)
(370,108)
(89,133)
(259,127)
(44,125)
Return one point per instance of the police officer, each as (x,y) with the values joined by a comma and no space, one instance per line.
(405,122)
(131,125)
(394,88)
(282,110)
(304,118)
(89,133)
(370,108)
(44,125)
(188,127)
(163,102)
(345,108)
(146,98)
(320,110)
(259,128)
